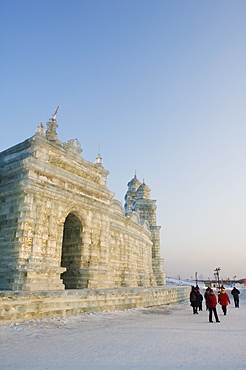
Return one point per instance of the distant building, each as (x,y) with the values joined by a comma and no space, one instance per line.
(60,226)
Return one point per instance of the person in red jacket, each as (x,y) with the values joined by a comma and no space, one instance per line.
(211,302)
(223,300)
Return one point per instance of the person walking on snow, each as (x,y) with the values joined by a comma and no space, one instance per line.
(200,297)
(211,302)
(194,300)
(223,300)
(235,292)
(205,296)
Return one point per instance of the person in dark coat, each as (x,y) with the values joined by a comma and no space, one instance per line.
(211,302)
(205,296)
(200,297)
(235,292)
(194,299)
(223,300)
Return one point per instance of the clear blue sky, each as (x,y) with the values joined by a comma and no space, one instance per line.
(162,86)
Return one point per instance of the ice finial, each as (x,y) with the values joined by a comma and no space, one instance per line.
(99,160)
(55,114)
(40,129)
(52,126)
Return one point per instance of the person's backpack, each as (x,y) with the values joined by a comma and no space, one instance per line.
(193,296)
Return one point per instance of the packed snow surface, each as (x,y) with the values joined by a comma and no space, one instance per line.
(167,337)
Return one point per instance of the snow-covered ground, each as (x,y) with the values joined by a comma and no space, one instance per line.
(174,281)
(167,337)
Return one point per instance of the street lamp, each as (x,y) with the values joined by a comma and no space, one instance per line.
(215,278)
(217,273)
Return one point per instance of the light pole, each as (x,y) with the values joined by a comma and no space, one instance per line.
(215,278)
(196,277)
(217,273)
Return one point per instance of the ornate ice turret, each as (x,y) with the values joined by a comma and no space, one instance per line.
(145,206)
(143,191)
(138,199)
(131,194)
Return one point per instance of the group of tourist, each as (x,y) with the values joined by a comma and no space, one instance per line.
(196,299)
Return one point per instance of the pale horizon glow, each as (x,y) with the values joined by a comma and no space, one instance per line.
(161,86)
